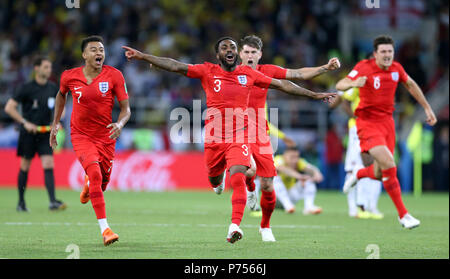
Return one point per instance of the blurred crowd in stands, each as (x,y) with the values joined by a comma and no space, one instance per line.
(300,33)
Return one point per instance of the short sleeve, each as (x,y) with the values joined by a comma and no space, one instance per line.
(356,71)
(260,79)
(19,94)
(196,70)
(403,76)
(274,71)
(120,87)
(63,86)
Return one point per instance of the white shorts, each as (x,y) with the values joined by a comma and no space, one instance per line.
(353,155)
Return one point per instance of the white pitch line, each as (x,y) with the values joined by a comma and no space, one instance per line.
(169,225)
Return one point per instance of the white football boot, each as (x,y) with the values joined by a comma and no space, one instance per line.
(234,233)
(267,235)
(409,222)
(219,189)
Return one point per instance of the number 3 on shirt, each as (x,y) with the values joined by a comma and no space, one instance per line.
(217,84)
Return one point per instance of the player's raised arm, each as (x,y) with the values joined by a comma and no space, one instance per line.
(60,102)
(164,63)
(417,93)
(311,72)
(293,89)
(347,83)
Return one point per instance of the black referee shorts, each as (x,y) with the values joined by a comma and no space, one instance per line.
(30,144)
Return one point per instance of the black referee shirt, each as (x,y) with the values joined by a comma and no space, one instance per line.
(37,101)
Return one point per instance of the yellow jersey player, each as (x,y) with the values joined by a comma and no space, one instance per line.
(296,180)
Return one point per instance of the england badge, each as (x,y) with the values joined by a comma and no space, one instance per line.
(242,79)
(394,76)
(103,87)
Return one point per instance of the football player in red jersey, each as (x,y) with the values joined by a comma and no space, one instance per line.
(377,79)
(227,87)
(262,152)
(93,134)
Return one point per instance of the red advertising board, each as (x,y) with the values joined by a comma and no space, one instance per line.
(132,171)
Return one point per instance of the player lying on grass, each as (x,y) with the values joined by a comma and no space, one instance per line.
(227,87)
(94,87)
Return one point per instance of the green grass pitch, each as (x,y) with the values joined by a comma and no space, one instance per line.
(193,225)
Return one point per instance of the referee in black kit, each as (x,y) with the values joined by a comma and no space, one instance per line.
(37,98)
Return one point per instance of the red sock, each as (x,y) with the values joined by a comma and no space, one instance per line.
(238,198)
(250,182)
(366,172)
(392,187)
(268,200)
(95,190)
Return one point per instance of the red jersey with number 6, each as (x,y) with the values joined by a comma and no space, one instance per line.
(93,103)
(377,96)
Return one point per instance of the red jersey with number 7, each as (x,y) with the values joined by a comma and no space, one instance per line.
(93,103)
(226,92)
(377,96)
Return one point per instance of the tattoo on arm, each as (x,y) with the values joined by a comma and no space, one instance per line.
(167,64)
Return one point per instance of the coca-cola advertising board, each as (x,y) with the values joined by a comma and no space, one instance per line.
(131,171)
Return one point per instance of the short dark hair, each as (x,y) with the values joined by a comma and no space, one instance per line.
(216,46)
(38,60)
(381,40)
(89,39)
(253,41)
(292,148)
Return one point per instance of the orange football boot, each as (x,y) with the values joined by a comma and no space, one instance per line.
(84,196)
(109,237)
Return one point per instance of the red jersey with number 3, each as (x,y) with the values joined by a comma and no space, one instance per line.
(377,96)
(93,103)
(225,92)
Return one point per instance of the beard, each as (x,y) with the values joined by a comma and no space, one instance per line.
(228,65)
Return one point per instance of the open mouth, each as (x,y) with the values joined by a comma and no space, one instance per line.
(229,58)
(250,62)
(98,60)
